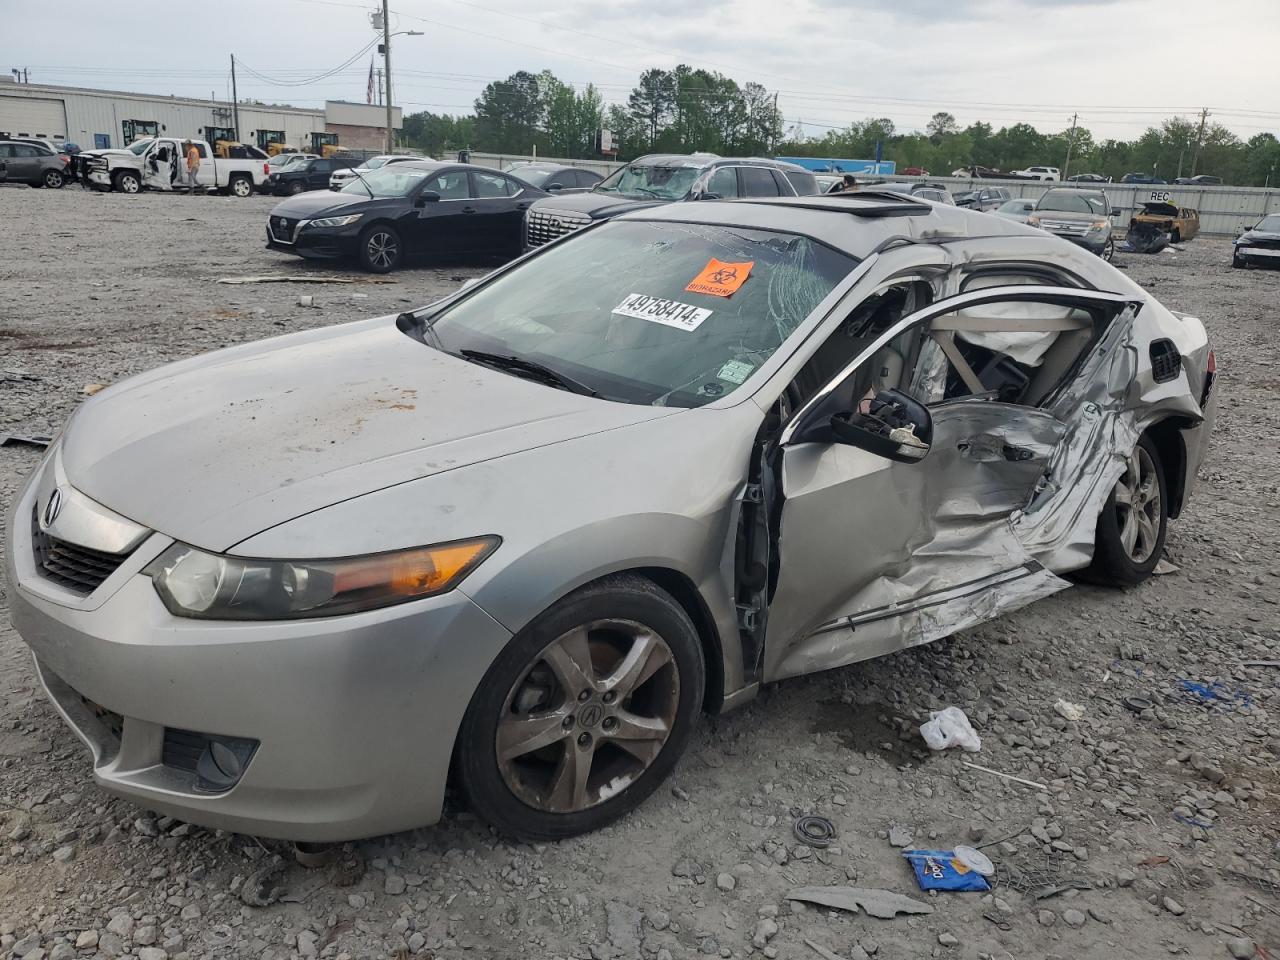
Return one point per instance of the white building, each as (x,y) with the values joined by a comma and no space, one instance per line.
(97,119)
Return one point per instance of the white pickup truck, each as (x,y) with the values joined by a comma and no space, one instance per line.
(160,163)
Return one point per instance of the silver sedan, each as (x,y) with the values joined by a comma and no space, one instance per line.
(525,535)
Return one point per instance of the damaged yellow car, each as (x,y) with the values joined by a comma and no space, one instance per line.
(1161,216)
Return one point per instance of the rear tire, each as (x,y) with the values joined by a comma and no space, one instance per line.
(583,747)
(53,179)
(126,182)
(1175,236)
(381,249)
(1131,528)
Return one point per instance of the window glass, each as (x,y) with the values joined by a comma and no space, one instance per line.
(451,186)
(889,367)
(392,180)
(629,328)
(666,181)
(490,186)
(6,150)
(586,178)
(758,182)
(24,150)
(723,183)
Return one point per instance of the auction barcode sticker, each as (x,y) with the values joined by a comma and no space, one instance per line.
(672,313)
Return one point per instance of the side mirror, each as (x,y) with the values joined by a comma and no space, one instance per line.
(708,195)
(425,197)
(894,426)
(553,187)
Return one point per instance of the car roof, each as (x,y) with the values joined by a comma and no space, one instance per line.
(857,223)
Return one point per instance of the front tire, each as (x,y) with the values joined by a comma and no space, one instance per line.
(380,249)
(241,187)
(295,189)
(1238,262)
(53,179)
(127,182)
(1109,250)
(584,713)
(1131,529)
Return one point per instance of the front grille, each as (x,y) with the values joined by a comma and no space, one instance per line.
(282,228)
(1166,361)
(1067,228)
(1264,244)
(109,718)
(182,748)
(541,227)
(80,569)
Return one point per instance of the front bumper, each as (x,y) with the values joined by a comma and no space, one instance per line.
(1095,244)
(354,716)
(1264,255)
(318,243)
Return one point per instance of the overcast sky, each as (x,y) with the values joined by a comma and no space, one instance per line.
(1122,64)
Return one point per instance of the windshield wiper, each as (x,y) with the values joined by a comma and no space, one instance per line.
(364,182)
(530,368)
(648,190)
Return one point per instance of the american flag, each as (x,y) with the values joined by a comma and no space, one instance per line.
(369,93)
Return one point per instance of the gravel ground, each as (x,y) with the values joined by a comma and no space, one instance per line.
(1162,824)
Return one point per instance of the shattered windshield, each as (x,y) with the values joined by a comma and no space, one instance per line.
(1073,201)
(1269,224)
(655,313)
(664,181)
(139,147)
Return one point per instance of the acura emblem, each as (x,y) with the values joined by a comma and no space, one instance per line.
(52,508)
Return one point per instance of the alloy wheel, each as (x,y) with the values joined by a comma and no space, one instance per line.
(590,715)
(241,187)
(53,179)
(1137,500)
(383,250)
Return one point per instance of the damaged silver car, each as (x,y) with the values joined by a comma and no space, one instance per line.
(519,539)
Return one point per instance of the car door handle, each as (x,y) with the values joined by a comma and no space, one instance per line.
(468,209)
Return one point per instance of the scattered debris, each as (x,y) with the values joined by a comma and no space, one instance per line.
(900,836)
(262,888)
(1044,893)
(814,831)
(16,440)
(950,728)
(821,950)
(975,860)
(1260,663)
(1137,704)
(1216,694)
(306,300)
(316,855)
(89,389)
(882,904)
(280,278)
(1192,821)
(1069,711)
(1005,776)
(943,870)
(1154,861)
(1163,568)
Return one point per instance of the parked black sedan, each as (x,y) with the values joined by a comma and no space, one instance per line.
(405,210)
(555,176)
(304,175)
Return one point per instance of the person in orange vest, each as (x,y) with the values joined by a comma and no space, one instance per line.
(193,165)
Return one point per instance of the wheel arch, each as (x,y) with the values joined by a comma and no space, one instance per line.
(685,593)
(1172,447)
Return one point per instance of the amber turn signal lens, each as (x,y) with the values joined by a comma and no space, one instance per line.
(412,573)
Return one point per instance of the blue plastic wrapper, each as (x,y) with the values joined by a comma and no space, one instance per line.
(940,870)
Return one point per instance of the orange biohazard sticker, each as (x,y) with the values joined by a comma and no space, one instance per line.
(721,279)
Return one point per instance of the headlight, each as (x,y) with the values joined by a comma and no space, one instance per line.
(1098,226)
(193,583)
(336,221)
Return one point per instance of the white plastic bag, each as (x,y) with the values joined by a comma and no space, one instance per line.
(950,728)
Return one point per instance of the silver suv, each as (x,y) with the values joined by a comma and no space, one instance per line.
(1081,216)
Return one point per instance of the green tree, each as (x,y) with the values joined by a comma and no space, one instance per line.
(941,124)
(652,104)
(510,113)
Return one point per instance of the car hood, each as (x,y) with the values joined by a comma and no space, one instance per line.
(310,206)
(108,153)
(1260,235)
(215,449)
(598,206)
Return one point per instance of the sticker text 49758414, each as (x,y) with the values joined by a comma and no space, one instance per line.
(671,313)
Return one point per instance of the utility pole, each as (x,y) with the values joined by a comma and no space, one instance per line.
(386,65)
(25,76)
(1195,157)
(1071,142)
(235,100)
(379,73)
